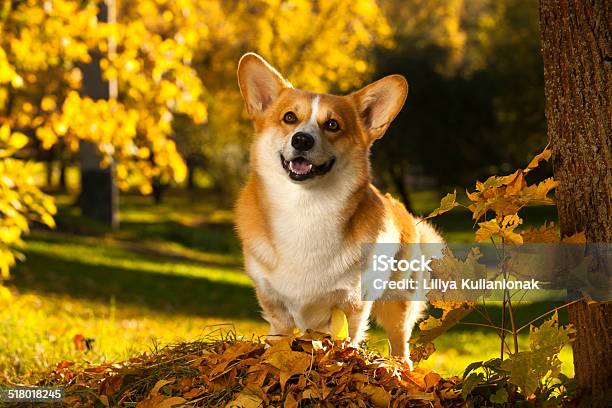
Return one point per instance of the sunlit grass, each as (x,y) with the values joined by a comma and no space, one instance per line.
(42,330)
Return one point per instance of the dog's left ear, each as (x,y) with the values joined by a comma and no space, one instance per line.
(379,103)
(259,83)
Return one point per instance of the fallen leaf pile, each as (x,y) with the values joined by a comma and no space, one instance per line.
(311,370)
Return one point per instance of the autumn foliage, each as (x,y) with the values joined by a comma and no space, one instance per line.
(20,200)
(300,371)
(532,374)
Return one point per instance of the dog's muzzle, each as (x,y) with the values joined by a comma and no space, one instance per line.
(300,169)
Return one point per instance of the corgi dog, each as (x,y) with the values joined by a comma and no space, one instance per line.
(309,205)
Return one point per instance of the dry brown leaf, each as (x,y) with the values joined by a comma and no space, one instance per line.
(158,385)
(359,377)
(161,401)
(194,392)
(104,400)
(290,401)
(311,393)
(245,400)
(288,362)
(378,395)
(111,385)
(64,364)
(431,380)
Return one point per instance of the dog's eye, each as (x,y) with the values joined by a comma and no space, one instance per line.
(332,125)
(289,117)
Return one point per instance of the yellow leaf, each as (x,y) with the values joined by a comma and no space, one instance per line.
(47,103)
(48,220)
(544,187)
(146,189)
(578,238)
(5,132)
(339,325)
(446,204)
(143,153)
(430,323)
(512,237)
(18,140)
(535,162)
(511,220)
(487,230)
(472,196)
(545,234)
(5,295)
(515,183)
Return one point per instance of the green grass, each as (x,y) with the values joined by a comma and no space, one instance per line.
(173,272)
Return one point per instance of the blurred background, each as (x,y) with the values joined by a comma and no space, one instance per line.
(124,141)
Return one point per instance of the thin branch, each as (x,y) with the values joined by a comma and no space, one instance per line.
(486,316)
(483,325)
(548,312)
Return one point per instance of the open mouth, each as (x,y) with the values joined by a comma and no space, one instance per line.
(300,169)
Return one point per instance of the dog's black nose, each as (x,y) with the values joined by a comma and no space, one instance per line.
(302,141)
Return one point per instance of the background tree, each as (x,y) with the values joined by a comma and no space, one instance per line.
(319,45)
(576,44)
(45,43)
(474,69)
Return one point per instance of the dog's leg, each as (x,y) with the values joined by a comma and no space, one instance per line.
(357,315)
(275,313)
(398,319)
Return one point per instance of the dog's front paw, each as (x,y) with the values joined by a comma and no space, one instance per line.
(408,362)
(354,344)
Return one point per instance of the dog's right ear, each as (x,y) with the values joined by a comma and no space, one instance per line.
(259,83)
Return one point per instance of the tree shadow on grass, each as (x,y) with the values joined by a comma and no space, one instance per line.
(136,287)
(153,250)
(209,237)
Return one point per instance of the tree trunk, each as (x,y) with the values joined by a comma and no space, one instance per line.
(49,166)
(191,167)
(158,191)
(99,197)
(62,176)
(577,50)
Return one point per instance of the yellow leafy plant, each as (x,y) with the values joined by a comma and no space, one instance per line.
(21,201)
(495,205)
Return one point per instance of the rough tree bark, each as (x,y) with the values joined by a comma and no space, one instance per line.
(577,50)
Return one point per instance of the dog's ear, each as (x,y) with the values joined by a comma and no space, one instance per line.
(379,103)
(259,83)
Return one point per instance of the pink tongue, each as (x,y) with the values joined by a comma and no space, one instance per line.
(300,166)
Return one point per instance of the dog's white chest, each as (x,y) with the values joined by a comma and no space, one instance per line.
(313,256)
